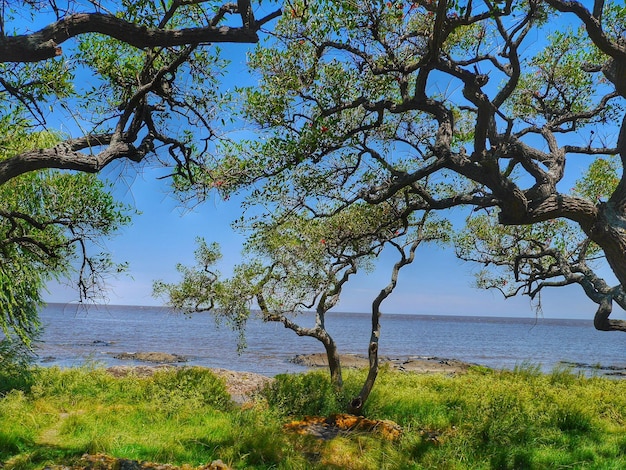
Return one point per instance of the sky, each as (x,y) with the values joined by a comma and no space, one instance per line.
(164,235)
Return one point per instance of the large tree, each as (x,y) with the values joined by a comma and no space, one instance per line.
(505,101)
(86,84)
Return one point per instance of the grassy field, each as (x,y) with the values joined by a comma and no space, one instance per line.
(482,419)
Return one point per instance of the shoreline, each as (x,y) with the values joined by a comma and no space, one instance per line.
(417,364)
(241,385)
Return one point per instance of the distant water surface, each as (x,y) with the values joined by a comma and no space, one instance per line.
(77,335)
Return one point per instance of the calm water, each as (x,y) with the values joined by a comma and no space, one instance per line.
(73,336)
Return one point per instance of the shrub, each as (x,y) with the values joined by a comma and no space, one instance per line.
(15,366)
(189,386)
(304,394)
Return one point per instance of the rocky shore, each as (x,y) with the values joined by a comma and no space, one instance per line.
(242,385)
(154,357)
(408,364)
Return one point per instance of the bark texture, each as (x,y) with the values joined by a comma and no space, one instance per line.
(45,43)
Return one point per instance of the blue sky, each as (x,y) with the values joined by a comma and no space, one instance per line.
(164,234)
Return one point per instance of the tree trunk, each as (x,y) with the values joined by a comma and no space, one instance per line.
(609,232)
(357,403)
(334,362)
(318,332)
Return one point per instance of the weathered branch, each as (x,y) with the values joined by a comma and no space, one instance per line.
(65,156)
(45,43)
(601,319)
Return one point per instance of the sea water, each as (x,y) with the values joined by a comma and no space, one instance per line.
(75,335)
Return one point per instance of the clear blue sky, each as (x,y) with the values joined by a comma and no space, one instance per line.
(163,235)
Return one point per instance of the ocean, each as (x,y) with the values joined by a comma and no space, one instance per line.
(76,335)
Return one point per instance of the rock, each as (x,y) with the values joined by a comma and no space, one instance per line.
(430,365)
(410,364)
(353,361)
(155,357)
(137,371)
(216,465)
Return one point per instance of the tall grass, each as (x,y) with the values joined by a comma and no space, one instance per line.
(483,419)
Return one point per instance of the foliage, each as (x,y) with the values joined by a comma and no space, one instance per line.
(188,387)
(134,80)
(482,419)
(16,370)
(305,394)
(99,98)
(295,262)
(527,259)
(48,221)
(300,262)
(445,105)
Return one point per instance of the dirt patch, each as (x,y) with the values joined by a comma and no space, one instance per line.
(242,385)
(342,424)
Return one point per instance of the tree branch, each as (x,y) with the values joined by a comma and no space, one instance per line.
(594,28)
(45,43)
(66,156)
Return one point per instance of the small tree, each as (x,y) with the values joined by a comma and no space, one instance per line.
(297,264)
(294,265)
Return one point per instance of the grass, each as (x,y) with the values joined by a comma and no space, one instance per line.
(481,420)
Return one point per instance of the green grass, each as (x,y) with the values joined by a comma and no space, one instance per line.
(481,420)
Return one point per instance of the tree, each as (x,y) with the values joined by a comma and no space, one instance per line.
(48,220)
(529,259)
(493,98)
(297,262)
(132,83)
(426,230)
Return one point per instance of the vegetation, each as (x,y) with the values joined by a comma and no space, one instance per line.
(368,116)
(297,262)
(50,223)
(499,131)
(496,135)
(483,105)
(530,258)
(91,87)
(482,419)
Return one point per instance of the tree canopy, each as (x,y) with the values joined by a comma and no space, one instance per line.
(85,84)
(493,105)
